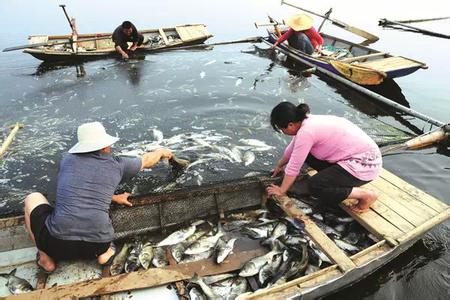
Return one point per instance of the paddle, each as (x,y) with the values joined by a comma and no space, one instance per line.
(370,37)
(421,141)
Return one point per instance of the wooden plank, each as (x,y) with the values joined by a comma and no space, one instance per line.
(12,221)
(143,278)
(391,216)
(409,214)
(178,284)
(163,36)
(413,191)
(317,235)
(390,64)
(375,223)
(445,215)
(351,59)
(41,280)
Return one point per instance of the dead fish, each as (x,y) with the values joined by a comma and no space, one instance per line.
(249,157)
(293,240)
(215,278)
(252,174)
(16,285)
(253,266)
(202,74)
(146,255)
(345,220)
(158,135)
(159,257)
(238,82)
(255,143)
(178,236)
(346,246)
(201,256)
(311,269)
(279,230)
(179,249)
(210,62)
(256,233)
(205,288)
(269,269)
(196,294)
(119,261)
(132,262)
(204,244)
(224,249)
(238,288)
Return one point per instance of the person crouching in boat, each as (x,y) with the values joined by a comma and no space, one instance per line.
(78,226)
(344,156)
(126,32)
(301,34)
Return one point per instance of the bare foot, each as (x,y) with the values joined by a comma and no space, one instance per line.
(46,262)
(103,258)
(365,199)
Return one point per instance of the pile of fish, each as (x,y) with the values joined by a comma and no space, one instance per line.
(290,252)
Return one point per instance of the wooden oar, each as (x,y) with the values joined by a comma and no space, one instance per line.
(10,138)
(385,22)
(370,37)
(424,140)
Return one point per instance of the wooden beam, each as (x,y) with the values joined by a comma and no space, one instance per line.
(142,279)
(351,59)
(317,235)
(163,35)
(10,138)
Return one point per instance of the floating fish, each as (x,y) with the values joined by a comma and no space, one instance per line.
(16,285)
(238,82)
(210,62)
(249,157)
(202,74)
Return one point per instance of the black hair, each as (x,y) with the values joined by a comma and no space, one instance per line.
(286,112)
(127,25)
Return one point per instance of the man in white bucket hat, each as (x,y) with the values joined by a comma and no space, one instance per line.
(79,225)
(301,34)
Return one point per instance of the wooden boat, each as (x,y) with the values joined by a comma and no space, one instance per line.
(398,219)
(100,45)
(358,63)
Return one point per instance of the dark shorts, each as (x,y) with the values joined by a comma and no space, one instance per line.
(60,249)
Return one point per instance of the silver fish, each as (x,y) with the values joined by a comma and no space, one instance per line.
(269,269)
(256,233)
(201,256)
(196,294)
(255,143)
(16,285)
(179,249)
(249,157)
(158,135)
(146,255)
(346,246)
(205,288)
(311,269)
(215,278)
(253,266)
(224,249)
(119,261)
(204,244)
(132,262)
(159,257)
(238,288)
(178,236)
(202,74)
(279,230)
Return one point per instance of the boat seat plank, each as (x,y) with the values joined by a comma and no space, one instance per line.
(390,64)
(192,32)
(409,212)
(413,191)
(375,223)
(392,217)
(356,58)
(141,279)
(163,36)
(317,235)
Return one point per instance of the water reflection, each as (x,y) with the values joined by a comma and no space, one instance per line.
(46,67)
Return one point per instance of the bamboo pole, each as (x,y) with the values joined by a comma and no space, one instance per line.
(10,138)
(422,20)
(386,22)
(361,89)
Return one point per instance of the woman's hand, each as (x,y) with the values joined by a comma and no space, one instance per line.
(274,190)
(122,199)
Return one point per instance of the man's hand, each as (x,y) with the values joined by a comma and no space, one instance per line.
(125,55)
(122,199)
(133,48)
(274,190)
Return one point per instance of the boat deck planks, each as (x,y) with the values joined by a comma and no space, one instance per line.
(390,64)
(401,208)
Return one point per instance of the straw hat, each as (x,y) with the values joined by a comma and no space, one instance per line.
(92,137)
(299,22)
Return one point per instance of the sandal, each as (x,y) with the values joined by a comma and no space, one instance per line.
(111,259)
(41,268)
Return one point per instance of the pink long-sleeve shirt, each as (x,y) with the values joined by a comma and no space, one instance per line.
(315,37)
(335,140)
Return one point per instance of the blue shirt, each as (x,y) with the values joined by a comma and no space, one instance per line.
(86,184)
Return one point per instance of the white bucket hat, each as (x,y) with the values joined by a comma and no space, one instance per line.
(92,137)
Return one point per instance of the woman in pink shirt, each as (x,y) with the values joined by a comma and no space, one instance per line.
(301,34)
(344,156)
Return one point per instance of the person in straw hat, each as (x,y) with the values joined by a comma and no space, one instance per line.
(78,226)
(301,34)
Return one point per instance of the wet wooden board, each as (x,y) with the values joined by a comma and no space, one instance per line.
(390,64)
(142,279)
(317,235)
(413,191)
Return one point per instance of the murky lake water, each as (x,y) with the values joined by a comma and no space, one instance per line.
(222,96)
